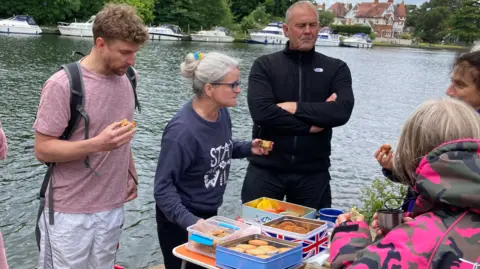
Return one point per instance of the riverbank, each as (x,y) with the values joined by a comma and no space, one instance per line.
(421,46)
(53,30)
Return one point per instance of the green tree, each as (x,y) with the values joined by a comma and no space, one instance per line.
(44,12)
(241,8)
(178,12)
(194,14)
(257,19)
(326,17)
(431,24)
(466,21)
(412,15)
(145,8)
(451,4)
(88,8)
(213,13)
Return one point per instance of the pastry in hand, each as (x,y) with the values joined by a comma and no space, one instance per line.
(266,144)
(386,148)
(125,122)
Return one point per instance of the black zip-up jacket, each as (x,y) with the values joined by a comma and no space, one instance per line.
(307,78)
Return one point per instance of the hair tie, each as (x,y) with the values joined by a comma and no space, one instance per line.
(198,56)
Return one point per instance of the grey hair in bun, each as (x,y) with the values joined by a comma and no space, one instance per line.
(211,69)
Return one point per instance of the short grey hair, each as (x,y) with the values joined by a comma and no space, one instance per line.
(298,4)
(211,69)
(433,123)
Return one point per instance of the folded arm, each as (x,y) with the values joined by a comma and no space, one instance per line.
(172,163)
(263,109)
(331,114)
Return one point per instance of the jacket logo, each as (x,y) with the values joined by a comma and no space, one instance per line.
(318,70)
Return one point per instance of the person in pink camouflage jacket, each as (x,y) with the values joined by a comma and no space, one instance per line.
(3,155)
(439,156)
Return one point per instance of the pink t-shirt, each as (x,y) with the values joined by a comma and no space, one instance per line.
(76,189)
(3,144)
(3,256)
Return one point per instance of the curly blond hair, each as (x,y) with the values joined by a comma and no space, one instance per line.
(119,22)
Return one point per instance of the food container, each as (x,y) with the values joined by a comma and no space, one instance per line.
(203,237)
(312,234)
(279,254)
(265,209)
(329,214)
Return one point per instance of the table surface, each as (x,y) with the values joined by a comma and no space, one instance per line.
(183,253)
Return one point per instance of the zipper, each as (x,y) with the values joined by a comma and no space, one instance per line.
(299,100)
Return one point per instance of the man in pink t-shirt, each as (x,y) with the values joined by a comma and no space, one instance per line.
(88,200)
(3,155)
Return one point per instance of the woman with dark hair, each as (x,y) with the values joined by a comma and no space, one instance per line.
(464,86)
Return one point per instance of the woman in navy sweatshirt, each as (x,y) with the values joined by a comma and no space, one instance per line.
(465,86)
(196,151)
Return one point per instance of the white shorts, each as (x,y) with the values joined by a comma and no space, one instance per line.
(80,241)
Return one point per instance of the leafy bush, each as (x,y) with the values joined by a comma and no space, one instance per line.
(351,29)
(374,196)
(406,36)
(257,19)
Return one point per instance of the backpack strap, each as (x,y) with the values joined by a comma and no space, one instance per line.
(132,76)
(77,100)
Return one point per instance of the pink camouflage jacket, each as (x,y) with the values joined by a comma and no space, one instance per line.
(445,231)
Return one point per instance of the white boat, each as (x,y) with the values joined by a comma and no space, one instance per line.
(272,34)
(327,38)
(20,24)
(218,34)
(165,32)
(83,29)
(359,40)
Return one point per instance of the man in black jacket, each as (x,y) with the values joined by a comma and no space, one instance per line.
(296,96)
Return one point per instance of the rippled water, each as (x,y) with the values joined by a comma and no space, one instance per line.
(388,84)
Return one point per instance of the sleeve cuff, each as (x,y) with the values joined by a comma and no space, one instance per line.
(189,221)
(247,149)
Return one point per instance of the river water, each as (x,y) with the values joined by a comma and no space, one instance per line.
(388,84)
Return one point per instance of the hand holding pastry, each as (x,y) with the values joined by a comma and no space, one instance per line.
(384,156)
(261,147)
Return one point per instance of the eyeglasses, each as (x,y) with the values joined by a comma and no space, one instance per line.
(233,85)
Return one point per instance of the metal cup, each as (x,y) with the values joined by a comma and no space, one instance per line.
(389,219)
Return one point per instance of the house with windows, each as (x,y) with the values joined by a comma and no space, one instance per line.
(340,10)
(386,19)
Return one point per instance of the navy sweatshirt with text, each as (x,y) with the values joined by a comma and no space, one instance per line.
(194,165)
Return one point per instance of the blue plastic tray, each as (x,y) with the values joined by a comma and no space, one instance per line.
(227,258)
